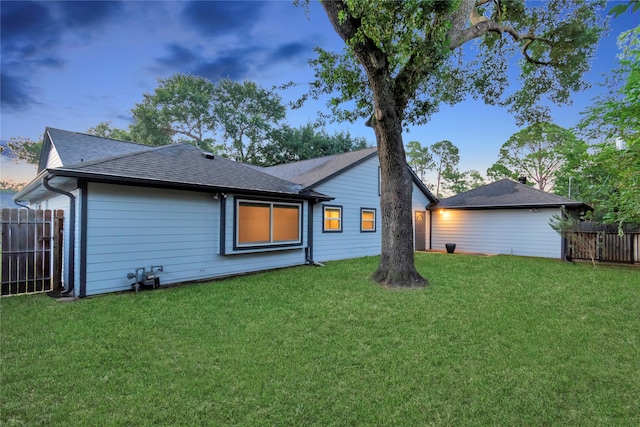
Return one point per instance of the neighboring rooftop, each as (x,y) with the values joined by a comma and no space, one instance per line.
(505,194)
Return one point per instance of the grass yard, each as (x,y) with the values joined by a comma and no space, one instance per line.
(493,341)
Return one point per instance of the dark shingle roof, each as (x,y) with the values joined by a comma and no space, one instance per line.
(314,171)
(181,165)
(75,147)
(505,194)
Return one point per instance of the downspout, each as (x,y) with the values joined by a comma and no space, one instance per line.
(564,244)
(430,225)
(309,249)
(22,206)
(72,231)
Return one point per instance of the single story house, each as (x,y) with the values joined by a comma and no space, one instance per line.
(505,217)
(201,216)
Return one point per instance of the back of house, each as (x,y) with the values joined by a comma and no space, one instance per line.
(174,214)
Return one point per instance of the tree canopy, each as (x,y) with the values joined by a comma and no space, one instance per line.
(400,63)
(179,109)
(538,152)
(446,158)
(419,158)
(106,130)
(610,176)
(289,144)
(25,149)
(247,115)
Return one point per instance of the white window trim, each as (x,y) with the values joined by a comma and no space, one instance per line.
(375,218)
(324,219)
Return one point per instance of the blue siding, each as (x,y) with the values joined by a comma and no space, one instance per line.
(354,189)
(131,227)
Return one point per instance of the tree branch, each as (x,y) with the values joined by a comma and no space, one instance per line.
(484,27)
(347,28)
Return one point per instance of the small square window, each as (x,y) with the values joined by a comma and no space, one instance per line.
(367,220)
(332,219)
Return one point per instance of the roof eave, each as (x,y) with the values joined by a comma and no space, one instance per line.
(519,206)
(31,186)
(432,199)
(147,182)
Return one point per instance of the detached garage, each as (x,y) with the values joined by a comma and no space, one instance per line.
(505,217)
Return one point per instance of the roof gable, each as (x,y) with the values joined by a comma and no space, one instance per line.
(505,194)
(75,147)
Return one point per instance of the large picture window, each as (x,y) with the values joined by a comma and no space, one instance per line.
(267,223)
(367,220)
(332,219)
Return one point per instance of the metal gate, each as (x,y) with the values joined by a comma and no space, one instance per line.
(31,249)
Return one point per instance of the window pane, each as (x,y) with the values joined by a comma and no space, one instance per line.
(253,223)
(368,220)
(286,223)
(332,224)
(332,218)
(332,213)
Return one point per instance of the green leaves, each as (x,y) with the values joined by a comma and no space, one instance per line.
(446,157)
(25,149)
(229,117)
(410,43)
(619,9)
(419,158)
(181,107)
(538,152)
(247,114)
(289,144)
(611,179)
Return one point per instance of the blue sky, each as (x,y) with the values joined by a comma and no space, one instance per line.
(74,64)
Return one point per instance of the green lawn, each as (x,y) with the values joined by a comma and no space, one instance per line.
(493,341)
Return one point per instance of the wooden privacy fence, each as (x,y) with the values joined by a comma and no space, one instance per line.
(31,250)
(605,246)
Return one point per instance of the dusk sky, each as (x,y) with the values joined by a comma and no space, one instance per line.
(74,64)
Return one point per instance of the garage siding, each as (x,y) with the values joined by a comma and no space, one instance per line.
(524,232)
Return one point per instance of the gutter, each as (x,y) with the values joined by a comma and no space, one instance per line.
(189,186)
(72,230)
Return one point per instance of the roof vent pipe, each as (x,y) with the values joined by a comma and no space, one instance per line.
(522,180)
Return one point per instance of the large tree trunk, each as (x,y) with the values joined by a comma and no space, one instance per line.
(396,267)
